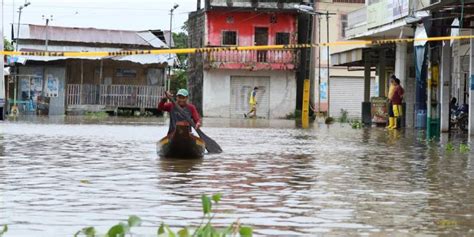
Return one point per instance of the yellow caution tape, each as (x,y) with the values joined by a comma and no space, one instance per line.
(240,48)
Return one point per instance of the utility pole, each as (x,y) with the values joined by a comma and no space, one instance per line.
(170,44)
(328,62)
(15,76)
(2,78)
(319,65)
(48,19)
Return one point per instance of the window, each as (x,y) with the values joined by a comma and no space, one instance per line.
(343,25)
(125,72)
(229,38)
(282,38)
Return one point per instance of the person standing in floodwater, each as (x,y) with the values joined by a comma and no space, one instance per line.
(391,90)
(252,104)
(175,116)
(397,99)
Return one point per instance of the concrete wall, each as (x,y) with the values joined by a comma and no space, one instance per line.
(217,89)
(196,38)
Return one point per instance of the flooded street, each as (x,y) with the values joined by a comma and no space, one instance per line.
(57,176)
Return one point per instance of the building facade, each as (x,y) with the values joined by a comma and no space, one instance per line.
(221,81)
(59,85)
(433,72)
(344,89)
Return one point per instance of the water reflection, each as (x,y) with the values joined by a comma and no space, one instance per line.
(59,176)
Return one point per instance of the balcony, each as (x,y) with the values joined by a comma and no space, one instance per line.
(252,4)
(251,59)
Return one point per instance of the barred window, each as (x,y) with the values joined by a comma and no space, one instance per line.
(282,38)
(229,38)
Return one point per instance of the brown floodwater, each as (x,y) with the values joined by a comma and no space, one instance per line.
(58,175)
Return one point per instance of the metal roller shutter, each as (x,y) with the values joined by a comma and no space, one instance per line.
(241,88)
(347,94)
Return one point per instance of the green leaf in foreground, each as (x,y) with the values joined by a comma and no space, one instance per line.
(161,229)
(206,204)
(216,197)
(4,230)
(246,231)
(134,221)
(183,232)
(117,231)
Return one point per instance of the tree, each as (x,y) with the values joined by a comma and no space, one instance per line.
(7,45)
(179,80)
(181,42)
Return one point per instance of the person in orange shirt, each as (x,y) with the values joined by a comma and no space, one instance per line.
(397,100)
(391,90)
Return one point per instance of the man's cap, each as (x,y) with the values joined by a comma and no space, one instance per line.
(183,92)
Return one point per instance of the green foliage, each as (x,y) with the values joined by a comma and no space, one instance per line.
(205,229)
(134,221)
(4,230)
(344,116)
(181,42)
(87,231)
(449,147)
(179,80)
(356,124)
(7,45)
(464,148)
(329,120)
(206,204)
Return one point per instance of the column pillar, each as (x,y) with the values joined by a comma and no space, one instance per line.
(401,63)
(381,72)
(471,86)
(445,84)
(366,106)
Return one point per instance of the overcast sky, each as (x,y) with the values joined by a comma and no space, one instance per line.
(108,14)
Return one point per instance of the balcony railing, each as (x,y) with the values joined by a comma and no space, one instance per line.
(272,58)
(126,96)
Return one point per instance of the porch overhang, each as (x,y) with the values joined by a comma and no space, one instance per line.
(359,57)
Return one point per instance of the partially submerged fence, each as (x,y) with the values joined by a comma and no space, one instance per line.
(126,96)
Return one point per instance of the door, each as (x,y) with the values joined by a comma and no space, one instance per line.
(241,87)
(261,38)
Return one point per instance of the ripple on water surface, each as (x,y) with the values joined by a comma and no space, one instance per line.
(57,178)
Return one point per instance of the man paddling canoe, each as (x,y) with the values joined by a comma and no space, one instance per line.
(175,116)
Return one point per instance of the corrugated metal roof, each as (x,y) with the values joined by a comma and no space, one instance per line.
(82,35)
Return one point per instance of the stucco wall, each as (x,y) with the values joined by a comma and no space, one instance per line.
(217,89)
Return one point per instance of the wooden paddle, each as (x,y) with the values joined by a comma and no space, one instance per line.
(211,145)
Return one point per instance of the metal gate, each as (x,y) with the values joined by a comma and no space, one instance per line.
(241,87)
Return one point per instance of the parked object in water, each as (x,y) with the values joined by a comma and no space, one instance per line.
(181,144)
(460,117)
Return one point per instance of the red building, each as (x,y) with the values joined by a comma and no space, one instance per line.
(221,81)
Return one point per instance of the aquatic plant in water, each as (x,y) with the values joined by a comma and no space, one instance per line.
(464,148)
(449,147)
(205,229)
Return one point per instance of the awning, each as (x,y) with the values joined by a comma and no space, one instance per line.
(357,57)
(140,59)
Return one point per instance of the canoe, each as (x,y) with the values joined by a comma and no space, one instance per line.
(181,144)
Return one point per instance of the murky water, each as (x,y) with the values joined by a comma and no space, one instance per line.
(57,176)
